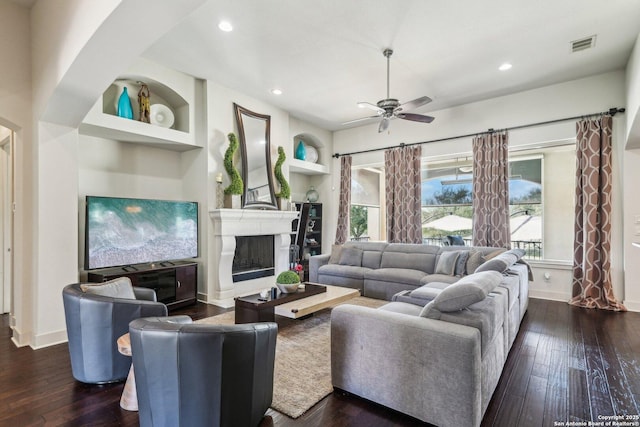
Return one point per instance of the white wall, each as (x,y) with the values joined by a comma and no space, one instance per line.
(631,178)
(583,96)
(78,49)
(15,113)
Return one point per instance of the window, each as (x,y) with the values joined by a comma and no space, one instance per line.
(541,190)
(541,193)
(367,193)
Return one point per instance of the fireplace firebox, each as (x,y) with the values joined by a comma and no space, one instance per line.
(253,258)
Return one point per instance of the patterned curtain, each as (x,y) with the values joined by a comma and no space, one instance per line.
(491,190)
(342,231)
(403,191)
(592,286)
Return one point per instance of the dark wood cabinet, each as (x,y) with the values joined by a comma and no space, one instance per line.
(306,233)
(175,284)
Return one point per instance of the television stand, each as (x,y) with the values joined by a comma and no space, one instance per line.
(175,285)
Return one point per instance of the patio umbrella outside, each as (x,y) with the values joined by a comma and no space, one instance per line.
(450,223)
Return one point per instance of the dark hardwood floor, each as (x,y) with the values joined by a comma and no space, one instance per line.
(567,364)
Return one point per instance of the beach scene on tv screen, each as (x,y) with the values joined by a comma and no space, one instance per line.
(134,231)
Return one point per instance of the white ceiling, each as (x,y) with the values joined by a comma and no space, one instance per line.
(326,55)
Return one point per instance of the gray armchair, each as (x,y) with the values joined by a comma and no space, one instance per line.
(202,374)
(94,323)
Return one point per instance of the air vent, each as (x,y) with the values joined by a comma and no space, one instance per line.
(583,44)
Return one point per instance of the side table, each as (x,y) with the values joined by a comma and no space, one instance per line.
(129,399)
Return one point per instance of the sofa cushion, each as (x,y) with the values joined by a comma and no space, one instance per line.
(371,252)
(410,256)
(350,256)
(443,278)
(343,270)
(486,315)
(401,307)
(447,263)
(463,293)
(396,275)
(501,262)
(427,292)
(116,288)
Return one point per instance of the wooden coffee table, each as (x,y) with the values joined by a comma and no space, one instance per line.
(315,297)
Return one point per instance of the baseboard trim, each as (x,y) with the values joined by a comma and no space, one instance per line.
(49,339)
(632,305)
(550,295)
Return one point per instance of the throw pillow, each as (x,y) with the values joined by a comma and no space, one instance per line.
(461,263)
(335,254)
(447,262)
(492,254)
(466,291)
(116,288)
(351,256)
(475,260)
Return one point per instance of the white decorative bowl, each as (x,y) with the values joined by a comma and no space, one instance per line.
(161,115)
(288,289)
(312,154)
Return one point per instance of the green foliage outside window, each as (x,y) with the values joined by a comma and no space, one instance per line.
(358,219)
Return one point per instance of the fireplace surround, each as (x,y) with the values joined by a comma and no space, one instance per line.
(227,225)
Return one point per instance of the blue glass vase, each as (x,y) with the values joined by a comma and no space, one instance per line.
(124,105)
(301,151)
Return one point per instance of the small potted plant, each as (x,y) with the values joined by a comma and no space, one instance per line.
(234,191)
(285,191)
(288,281)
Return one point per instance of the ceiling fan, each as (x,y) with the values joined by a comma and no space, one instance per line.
(391,108)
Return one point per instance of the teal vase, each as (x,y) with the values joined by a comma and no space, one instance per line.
(301,151)
(124,105)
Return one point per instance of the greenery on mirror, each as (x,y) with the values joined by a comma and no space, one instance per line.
(236,186)
(285,190)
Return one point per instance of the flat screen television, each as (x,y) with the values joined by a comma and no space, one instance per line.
(123,231)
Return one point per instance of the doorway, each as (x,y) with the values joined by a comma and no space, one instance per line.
(7,148)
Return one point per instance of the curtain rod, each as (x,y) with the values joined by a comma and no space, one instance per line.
(611,112)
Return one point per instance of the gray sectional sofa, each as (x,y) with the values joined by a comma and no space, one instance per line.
(437,349)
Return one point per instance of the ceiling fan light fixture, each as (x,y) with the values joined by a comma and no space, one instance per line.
(390,108)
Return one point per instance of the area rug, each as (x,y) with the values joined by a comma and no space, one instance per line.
(302,372)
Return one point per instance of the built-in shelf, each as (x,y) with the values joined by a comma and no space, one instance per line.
(103,122)
(307,168)
(120,129)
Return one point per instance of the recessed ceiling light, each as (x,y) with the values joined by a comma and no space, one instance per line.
(276,91)
(504,67)
(225,26)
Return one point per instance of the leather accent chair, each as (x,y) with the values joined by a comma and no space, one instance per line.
(200,374)
(94,323)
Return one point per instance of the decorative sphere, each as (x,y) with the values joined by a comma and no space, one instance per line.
(312,195)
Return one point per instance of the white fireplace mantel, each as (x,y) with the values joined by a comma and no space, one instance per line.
(229,223)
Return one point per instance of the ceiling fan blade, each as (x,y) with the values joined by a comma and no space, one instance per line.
(384,124)
(415,117)
(370,106)
(360,120)
(412,105)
